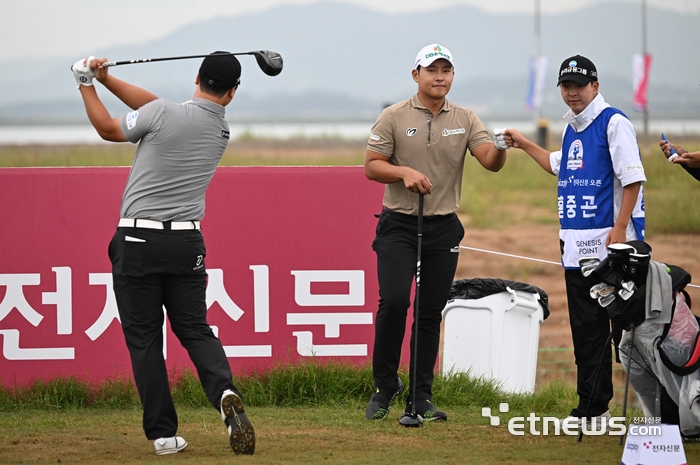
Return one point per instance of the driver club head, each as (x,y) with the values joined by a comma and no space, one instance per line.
(270,62)
(411,420)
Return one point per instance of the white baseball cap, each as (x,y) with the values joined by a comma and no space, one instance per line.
(430,53)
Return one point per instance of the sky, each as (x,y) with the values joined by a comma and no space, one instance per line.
(44,28)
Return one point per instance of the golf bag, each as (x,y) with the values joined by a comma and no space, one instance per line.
(646,301)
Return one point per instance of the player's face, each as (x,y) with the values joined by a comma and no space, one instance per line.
(576,96)
(435,81)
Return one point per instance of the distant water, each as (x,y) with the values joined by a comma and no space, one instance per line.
(85,134)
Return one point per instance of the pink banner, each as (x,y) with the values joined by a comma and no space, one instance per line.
(640,78)
(291,270)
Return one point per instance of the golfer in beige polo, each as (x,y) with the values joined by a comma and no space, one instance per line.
(418,146)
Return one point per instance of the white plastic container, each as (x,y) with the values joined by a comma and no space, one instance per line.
(496,337)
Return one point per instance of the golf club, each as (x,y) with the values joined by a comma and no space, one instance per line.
(628,288)
(627,377)
(270,62)
(588,265)
(605,300)
(601,290)
(595,383)
(413,420)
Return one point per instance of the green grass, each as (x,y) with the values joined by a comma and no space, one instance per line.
(293,435)
(287,385)
(307,413)
(524,189)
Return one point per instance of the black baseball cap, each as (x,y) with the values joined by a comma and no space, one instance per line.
(579,69)
(220,70)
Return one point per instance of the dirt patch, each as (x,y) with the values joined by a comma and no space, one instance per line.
(541,241)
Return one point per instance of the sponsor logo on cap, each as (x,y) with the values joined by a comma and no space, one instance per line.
(574,70)
(438,53)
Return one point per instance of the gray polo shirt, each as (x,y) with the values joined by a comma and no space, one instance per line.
(410,135)
(179,148)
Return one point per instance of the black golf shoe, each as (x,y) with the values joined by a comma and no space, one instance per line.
(426,410)
(240,430)
(378,407)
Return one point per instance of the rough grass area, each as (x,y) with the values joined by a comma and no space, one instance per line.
(307,413)
(288,385)
(522,188)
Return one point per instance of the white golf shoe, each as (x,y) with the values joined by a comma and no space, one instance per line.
(172,445)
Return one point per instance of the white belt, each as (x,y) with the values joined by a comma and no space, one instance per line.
(165,225)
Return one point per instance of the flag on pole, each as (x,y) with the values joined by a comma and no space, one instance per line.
(641,64)
(538,68)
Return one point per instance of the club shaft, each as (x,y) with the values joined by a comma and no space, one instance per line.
(184,57)
(416,303)
(627,379)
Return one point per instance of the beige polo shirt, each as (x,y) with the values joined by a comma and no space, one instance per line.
(410,135)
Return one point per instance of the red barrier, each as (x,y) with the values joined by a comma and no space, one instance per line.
(291,269)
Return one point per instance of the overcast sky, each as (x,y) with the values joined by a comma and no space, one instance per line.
(40,28)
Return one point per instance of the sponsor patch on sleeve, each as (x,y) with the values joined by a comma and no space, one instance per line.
(635,168)
(131,119)
(225,134)
(374,137)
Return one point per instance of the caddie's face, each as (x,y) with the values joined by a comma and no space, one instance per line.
(576,96)
(435,81)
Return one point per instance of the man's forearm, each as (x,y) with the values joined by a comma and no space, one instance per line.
(133,96)
(537,153)
(629,199)
(106,126)
(386,173)
(495,159)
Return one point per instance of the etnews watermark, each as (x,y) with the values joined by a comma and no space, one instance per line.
(545,426)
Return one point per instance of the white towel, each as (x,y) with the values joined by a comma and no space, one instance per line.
(659,295)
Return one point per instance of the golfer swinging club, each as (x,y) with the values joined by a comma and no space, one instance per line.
(418,146)
(158,252)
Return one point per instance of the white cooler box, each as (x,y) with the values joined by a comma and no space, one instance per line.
(496,337)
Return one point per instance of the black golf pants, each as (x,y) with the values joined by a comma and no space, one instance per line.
(590,328)
(152,269)
(396,247)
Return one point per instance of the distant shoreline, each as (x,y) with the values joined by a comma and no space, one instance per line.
(70,134)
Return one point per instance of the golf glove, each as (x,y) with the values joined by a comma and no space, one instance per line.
(82,73)
(499,139)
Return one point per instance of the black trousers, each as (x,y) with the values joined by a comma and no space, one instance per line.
(396,244)
(590,327)
(152,269)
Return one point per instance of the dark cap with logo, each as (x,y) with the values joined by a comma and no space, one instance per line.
(579,69)
(220,70)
